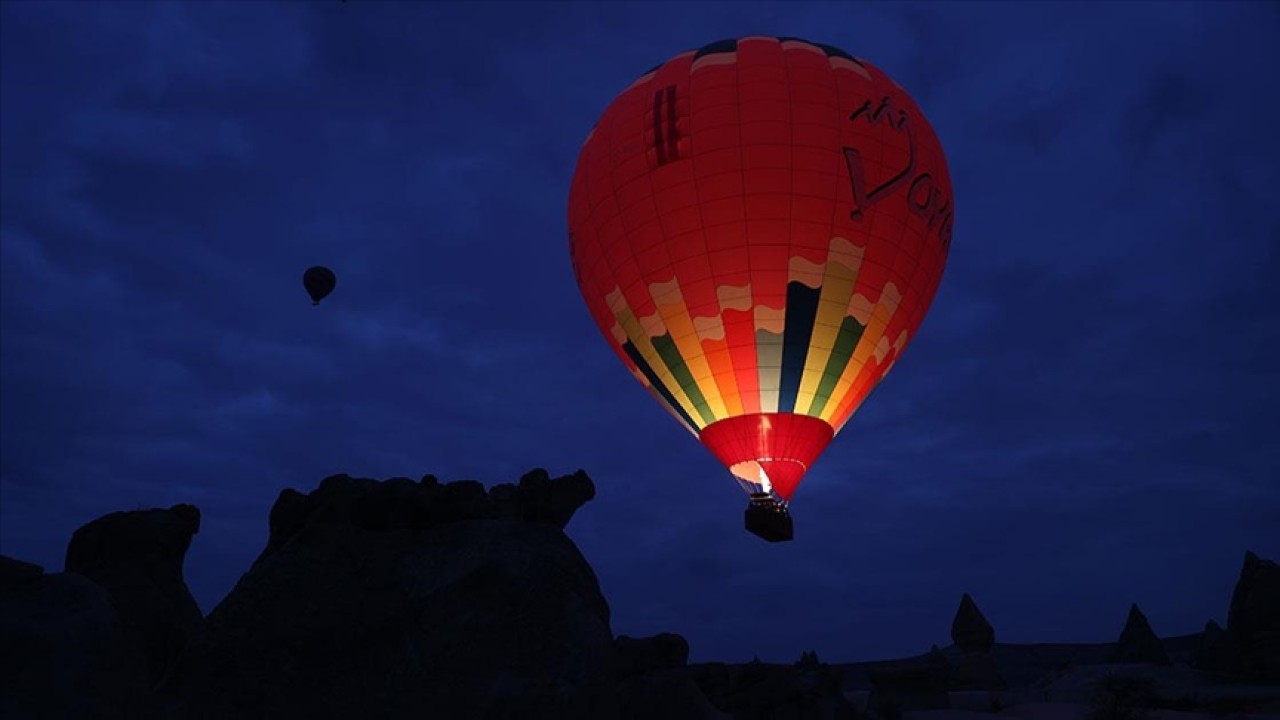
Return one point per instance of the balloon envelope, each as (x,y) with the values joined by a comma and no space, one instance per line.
(319,282)
(758,228)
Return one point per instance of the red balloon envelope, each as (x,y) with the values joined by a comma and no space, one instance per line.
(758,228)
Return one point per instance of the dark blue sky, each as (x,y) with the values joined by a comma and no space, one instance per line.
(1086,419)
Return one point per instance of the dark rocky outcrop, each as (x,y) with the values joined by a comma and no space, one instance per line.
(91,642)
(970,630)
(655,682)
(1138,642)
(402,504)
(973,668)
(667,694)
(63,650)
(809,661)
(287,517)
(758,691)
(402,596)
(405,599)
(916,685)
(554,501)
(1254,618)
(137,556)
(936,656)
(15,574)
(1216,651)
(976,671)
(637,656)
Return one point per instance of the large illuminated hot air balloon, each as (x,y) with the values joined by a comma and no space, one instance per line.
(758,228)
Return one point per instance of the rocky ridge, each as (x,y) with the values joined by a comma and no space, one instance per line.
(383,598)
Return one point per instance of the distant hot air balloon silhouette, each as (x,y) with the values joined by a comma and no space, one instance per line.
(758,228)
(319,282)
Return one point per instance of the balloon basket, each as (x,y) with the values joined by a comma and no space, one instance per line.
(767,518)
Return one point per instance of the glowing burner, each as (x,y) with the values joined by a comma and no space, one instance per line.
(768,452)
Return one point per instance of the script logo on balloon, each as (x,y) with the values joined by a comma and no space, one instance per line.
(924,198)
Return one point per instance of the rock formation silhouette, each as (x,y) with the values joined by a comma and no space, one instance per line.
(399,596)
(1254,618)
(975,667)
(970,630)
(1248,650)
(654,680)
(1216,651)
(405,599)
(1138,642)
(920,684)
(637,656)
(94,640)
(758,691)
(137,557)
(64,653)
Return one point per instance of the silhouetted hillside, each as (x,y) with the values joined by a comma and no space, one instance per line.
(404,599)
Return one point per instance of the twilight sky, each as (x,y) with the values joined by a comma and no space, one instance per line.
(1086,418)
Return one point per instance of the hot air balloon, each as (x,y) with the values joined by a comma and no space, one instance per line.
(758,227)
(319,282)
